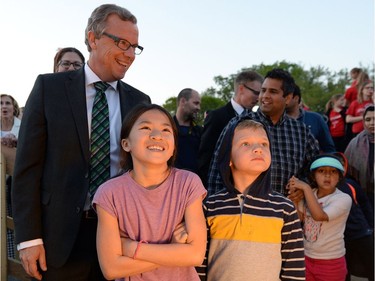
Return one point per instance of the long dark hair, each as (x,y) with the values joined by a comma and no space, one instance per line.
(126,160)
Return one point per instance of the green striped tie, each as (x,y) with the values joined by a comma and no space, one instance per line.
(100,157)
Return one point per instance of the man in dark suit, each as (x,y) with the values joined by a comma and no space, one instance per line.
(54,223)
(246,91)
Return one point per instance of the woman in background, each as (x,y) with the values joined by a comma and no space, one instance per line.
(68,59)
(10,126)
(360,154)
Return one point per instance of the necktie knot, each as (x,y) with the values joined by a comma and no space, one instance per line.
(101,86)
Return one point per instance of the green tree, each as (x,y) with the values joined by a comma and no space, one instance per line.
(317,84)
(209,103)
(171,105)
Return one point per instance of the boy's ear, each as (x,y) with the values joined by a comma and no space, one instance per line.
(230,163)
(125,145)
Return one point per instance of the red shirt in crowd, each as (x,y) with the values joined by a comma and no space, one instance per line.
(351,93)
(337,124)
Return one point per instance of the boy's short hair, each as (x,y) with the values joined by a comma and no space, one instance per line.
(248,123)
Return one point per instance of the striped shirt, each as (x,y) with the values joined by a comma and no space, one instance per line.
(293,148)
(254,238)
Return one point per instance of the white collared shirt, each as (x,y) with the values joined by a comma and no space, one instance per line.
(113,99)
(237,107)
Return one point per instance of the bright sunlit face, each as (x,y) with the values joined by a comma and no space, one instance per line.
(327,178)
(271,99)
(7,107)
(107,60)
(369,121)
(151,140)
(250,151)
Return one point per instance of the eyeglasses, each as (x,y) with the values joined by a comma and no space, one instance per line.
(124,44)
(254,91)
(66,64)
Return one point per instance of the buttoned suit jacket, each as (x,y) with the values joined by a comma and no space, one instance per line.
(51,177)
(214,123)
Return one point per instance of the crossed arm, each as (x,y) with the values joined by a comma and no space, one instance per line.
(116,258)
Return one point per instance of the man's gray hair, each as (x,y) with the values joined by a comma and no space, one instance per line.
(98,20)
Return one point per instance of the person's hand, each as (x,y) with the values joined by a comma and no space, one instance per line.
(295,183)
(296,196)
(295,189)
(180,234)
(9,140)
(30,257)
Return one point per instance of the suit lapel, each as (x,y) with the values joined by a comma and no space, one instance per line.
(126,103)
(76,94)
(231,112)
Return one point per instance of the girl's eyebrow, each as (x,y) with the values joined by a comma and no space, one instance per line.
(150,122)
(144,121)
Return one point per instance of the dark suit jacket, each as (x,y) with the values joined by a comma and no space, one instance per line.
(214,123)
(51,176)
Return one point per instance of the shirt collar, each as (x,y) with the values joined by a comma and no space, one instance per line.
(265,117)
(236,106)
(91,77)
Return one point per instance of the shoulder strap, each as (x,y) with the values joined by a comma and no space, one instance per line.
(354,193)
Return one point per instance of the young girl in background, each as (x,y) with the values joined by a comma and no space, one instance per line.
(336,113)
(354,114)
(324,216)
(148,203)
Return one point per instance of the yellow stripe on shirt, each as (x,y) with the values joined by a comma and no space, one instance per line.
(246,227)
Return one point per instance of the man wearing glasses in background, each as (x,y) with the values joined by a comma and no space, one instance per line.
(246,91)
(54,172)
(292,144)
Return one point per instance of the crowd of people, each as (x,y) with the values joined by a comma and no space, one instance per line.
(108,186)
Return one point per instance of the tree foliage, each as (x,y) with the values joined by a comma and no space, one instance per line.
(171,105)
(318,84)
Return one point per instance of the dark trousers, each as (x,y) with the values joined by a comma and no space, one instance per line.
(360,257)
(82,264)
